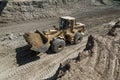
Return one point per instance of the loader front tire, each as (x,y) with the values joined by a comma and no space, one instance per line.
(57,45)
(78,38)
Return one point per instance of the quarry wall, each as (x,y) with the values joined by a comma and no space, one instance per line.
(23,10)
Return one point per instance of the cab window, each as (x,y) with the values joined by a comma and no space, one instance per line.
(64,24)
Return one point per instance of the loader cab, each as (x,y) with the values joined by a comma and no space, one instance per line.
(67,22)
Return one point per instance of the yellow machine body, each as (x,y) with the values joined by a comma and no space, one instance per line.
(41,41)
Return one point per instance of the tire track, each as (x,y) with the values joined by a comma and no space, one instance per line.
(60,60)
(11,59)
(41,66)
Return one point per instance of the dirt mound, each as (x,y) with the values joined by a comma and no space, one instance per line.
(112,31)
(102,65)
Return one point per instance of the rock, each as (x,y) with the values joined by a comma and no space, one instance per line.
(10,36)
(21,34)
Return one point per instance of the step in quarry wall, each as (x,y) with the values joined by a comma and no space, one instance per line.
(23,10)
(17,10)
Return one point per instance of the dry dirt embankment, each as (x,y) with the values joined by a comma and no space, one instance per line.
(104,64)
(26,10)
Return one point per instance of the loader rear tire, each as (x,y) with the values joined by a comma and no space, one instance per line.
(78,38)
(57,45)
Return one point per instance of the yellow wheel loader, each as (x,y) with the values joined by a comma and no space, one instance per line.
(55,39)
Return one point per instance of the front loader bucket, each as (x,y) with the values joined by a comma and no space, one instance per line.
(36,42)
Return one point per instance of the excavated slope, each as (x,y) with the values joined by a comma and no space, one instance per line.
(22,10)
(25,10)
(104,64)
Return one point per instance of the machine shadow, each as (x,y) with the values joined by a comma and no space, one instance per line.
(24,55)
(3,4)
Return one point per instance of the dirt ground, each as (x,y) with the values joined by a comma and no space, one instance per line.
(102,64)
(17,62)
